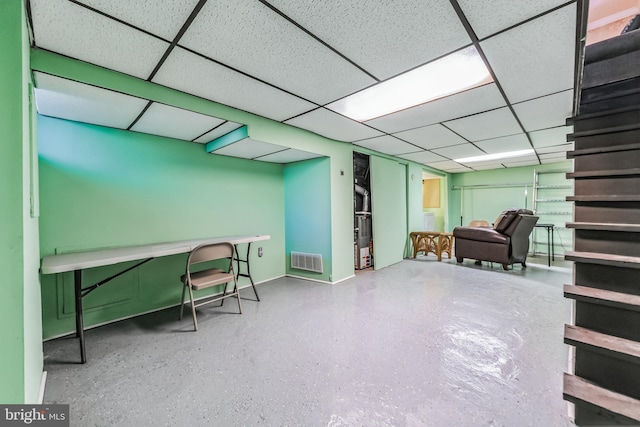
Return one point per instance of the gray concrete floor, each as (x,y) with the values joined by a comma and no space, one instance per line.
(419,343)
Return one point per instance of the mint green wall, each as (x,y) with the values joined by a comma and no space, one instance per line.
(487,203)
(104,187)
(20,322)
(307,195)
(341,173)
(388,211)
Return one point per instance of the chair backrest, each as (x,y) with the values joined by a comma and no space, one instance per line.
(523,226)
(210,252)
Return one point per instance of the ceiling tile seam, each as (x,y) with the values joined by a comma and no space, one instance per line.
(143,98)
(476,42)
(301,114)
(178,36)
(144,110)
(408,142)
(498,137)
(106,15)
(86,62)
(318,39)
(210,130)
(236,70)
(543,96)
(457,134)
(533,18)
(269,154)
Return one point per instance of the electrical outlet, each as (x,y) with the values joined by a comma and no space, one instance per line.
(260,251)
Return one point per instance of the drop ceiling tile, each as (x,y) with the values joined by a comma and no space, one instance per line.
(288,156)
(487,18)
(66,99)
(553,136)
(449,166)
(554,158)
(163,18)
(536,58)
(333,125)
(386,38)
(504,144)
(74,31)
(193,74)
(387,144)
(217,132)
(250,37)
(249,149)
(459,151)
(517,164)
(172,122)
(487,125)
(461,104)
(423,157)
(562,148)
(545,112)
(428,137)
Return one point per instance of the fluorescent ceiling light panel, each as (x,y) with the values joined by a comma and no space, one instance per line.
(451,74)
(495,156)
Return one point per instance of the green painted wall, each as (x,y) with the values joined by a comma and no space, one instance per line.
(486,203)
(20,321)
(103,187)
(388,211)
(307,197)
(96,178)
(341,173)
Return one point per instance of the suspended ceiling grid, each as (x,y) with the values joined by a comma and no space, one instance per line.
(287,60)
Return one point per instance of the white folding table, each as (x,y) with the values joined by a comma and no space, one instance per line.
(78,261)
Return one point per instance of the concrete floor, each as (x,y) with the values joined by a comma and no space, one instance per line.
(419,343)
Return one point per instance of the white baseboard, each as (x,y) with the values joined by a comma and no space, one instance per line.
(320,281)
(43,381)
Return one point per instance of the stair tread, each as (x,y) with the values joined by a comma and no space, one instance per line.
(603,259)
(603,296)
(610,112)
(576,335)
(603,149)
(604,226)
(604,198)
(604,173)
(577,388)
(612,129)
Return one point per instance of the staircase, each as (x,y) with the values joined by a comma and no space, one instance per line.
(605,383)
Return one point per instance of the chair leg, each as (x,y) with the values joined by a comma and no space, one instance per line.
(184,285)
(237,291)
(193,309)
(224,292)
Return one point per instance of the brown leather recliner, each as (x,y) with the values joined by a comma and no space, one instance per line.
(506,243)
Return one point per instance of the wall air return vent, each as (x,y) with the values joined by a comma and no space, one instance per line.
(304,261)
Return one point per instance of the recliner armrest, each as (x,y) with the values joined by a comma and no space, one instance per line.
(480,234)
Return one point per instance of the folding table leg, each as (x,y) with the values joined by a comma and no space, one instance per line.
(77,279)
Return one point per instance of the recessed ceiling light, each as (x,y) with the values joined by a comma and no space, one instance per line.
(451,74)
(495,156)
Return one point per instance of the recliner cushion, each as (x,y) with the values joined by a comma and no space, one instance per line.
(480,234)
(507,216)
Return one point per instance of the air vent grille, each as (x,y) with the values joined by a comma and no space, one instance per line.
(304,261)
